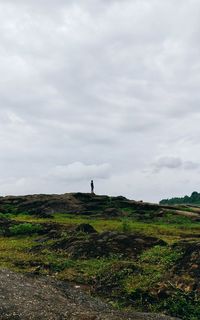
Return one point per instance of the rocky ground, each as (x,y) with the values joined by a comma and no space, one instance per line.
(33,298)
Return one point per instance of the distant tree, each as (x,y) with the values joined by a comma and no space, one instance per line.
(194,195)
(193,199)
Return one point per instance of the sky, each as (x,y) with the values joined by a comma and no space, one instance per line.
(107,90)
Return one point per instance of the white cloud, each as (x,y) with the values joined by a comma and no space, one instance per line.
(190,165)
(174,163)
(101,82)
(168,162)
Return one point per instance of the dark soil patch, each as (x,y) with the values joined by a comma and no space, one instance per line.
(186,272)
(85,227)
(106,244)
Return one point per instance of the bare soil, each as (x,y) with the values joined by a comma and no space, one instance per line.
(24,297)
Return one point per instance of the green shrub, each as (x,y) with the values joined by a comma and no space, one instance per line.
(25,229)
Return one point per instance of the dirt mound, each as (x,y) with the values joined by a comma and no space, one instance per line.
(31,298)
(106,244)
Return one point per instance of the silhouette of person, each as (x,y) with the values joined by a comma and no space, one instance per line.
(92,186)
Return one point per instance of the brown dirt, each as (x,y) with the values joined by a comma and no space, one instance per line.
(34,298)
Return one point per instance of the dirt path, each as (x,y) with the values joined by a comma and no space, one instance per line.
(27,297)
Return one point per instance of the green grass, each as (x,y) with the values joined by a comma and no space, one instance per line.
(25,229)
(14,249)
(170,228)
(180,304)
(153,263)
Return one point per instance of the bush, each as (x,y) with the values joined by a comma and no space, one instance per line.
(25,229)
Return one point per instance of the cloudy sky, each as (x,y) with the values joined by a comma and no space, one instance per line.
(102,89)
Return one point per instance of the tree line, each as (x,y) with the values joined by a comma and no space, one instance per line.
(193,199)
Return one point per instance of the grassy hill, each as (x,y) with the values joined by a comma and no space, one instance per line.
(134,255)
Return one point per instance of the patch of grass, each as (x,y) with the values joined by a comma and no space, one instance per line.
(103,274)
(181,304)
(178,220)
(5,215)
(154,264)
(125,226)
(15,249)
(159,255)
(169,232)
(25,229)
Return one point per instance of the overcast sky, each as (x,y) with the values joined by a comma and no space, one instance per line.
(100,89)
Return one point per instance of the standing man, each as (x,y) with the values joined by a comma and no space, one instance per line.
(92,186)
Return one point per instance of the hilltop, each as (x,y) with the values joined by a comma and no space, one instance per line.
(73,203)
(134,256)
(87,204)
